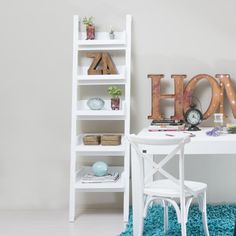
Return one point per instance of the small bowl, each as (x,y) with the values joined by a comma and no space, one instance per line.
(95,103)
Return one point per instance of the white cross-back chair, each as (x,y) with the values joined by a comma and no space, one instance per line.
(169,190)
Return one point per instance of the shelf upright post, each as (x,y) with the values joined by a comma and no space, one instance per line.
(127,119)
(72,204)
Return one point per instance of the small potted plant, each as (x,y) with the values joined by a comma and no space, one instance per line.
(90,29)
(111,33)
(115,93)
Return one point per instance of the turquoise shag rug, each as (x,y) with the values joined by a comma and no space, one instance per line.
(221,220)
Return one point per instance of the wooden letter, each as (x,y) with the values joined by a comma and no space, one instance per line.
(215,98)
(156,96)
(92,70)
(108,65)
(178,96)
(226,84)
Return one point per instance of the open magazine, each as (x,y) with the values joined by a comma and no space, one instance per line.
(112,176)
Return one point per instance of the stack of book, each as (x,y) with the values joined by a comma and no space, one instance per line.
(112,176)
(231,128)
(166,125)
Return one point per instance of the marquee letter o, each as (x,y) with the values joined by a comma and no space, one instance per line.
(215,97)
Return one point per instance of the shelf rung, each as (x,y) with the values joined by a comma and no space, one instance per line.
(117,186)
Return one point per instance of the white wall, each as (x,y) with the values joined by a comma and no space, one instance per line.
(188,37)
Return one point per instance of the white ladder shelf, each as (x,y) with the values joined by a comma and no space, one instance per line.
(122,42)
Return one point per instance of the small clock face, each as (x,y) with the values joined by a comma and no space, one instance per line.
(193,117)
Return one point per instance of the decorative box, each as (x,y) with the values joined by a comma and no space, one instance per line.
(111,139)
(92,139)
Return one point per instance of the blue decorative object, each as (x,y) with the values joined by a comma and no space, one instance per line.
(100,168)
(214,132)
(95,103)
(221,220)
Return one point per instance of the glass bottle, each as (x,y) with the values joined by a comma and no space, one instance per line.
(219,121)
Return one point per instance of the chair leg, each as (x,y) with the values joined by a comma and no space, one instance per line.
(138,219)
(204,220)
(183,217)
(203,209)
(183,228)
(165,205)
(204,214)
(182,193)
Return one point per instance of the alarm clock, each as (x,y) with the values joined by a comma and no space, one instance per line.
(193,117)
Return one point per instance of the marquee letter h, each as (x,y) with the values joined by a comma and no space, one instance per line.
(157,96)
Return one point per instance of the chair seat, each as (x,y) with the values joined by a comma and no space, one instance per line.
(167,188)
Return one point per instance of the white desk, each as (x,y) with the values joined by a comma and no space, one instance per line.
(202,143)
(224,144)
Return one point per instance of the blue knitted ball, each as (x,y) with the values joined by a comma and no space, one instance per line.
(100,168)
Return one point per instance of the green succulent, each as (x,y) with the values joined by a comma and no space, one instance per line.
(114,91)
(88,20)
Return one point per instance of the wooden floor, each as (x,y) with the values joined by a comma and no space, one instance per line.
(55,223)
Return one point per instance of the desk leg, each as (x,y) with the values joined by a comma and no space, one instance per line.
(137,194)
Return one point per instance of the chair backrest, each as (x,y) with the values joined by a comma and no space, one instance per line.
(159,140)
(176,144)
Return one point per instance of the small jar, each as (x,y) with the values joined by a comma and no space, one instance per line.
(219,121)
(115,103)
(90,31)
